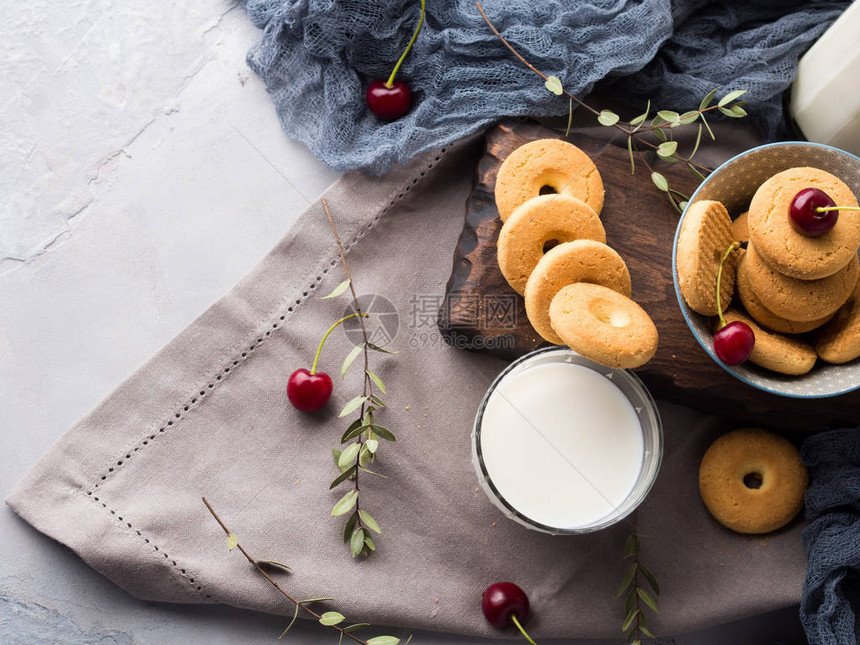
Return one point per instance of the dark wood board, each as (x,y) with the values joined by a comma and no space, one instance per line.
(482,313)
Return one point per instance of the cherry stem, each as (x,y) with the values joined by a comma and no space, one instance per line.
(522,631)
(824,209)
(326,335)
(390,80)
(733,246)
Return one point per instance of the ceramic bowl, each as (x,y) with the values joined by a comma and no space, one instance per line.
(734,183)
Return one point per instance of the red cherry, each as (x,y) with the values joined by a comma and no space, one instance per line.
(389,102)
(308,392)
(503,600)
(734,343)
(806,219)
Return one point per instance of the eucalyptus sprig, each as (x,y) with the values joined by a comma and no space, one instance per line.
(661,125)
(331,619)
(363,434)
(636,621)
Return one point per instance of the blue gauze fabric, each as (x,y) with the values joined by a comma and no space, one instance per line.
(317,58)
(831,592)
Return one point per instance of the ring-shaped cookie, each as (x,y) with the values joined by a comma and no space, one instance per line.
(762,314)
(578,261)
(537,225)
(551,164)
(839,341)
(603,325)
(790,252)
(778,353)
(752,481)
(706,233)
(800,300)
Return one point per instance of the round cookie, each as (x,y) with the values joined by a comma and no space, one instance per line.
(741,227)
(839,341)
(776,352)
(752,481)
(786,250)
(706,233)
(603,325)
(555,163)
(545,219)
(763,315)
(578,261)
(799,300)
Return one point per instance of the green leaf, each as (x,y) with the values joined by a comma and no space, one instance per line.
(698,140)
(356,542)
(630,152)
(353,354)
(339,289)
(331,618)
(708,98)
(608,118)
(731,96)
(629,620)
(383,640)
(630,602)
(377,400)
(364,457)
(647,598)
(368,542)
(695,171)
(632,544)
(355,627)
(650,578)
(292,622)
(710,132)
(670,116)
(688,117)
(349,526)
(345,504)
(553,84)
(658,132)
(566,133)
(372,445)
(336,454)
(377,348)
(628,577)
(645,631)
(346,474)
(369,522)
(370,472)
(662,183)
(274,563)
(377,381)
(308,601)
(641,118)
(232,541)
(683,205)
(352,405)
(349,454)
(667,148)
(735,111)
(353,430)
(385,433)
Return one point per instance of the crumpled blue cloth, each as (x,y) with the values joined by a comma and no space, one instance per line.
(831,592)
(317,58)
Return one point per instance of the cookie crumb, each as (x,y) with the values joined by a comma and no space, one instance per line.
(494,523)
(298,481)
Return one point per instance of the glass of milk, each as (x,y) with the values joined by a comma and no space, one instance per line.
(564,445)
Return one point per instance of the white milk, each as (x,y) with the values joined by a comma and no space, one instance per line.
(561,444)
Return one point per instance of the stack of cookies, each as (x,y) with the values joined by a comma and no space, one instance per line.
(552,250)
(799,294)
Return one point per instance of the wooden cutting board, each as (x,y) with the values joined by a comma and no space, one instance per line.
(482,313)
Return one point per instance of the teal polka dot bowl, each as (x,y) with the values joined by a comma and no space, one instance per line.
(734,183)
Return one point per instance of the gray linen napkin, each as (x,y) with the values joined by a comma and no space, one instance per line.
(208,416)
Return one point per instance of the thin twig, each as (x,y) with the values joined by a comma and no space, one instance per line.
(367,390)
(620,126)
(298,603)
